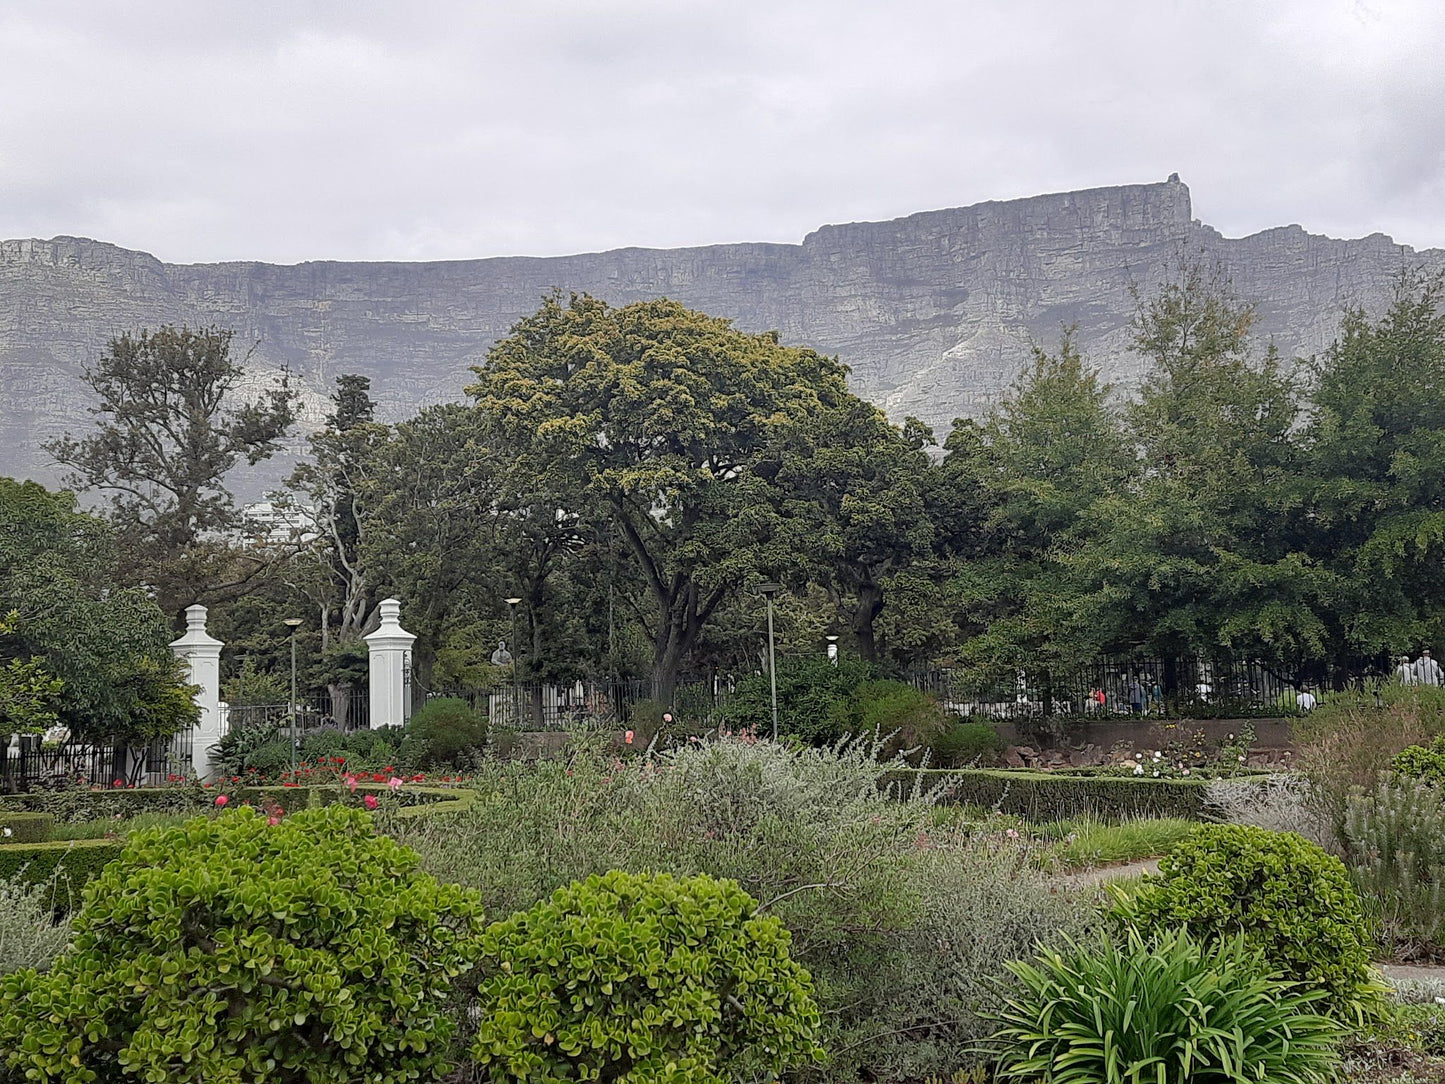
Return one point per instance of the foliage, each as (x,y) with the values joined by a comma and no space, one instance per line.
(641,978)
(58,870)
(672,426)
(168,430)
(108,646)
(1290,900)
(28,692)
(962,743)
(1279,802)
(893,713)
(810,692)
(229,947)
(1166,1009)
(1051,796)
(1394,842)
(904,926)
(1096,844)
(253,685)
(1425,763)
(30,935)
(445,731)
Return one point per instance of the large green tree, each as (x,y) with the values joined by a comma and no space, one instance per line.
(105,643)
(172,420)
(672,424)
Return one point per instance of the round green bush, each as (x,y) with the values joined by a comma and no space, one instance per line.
(1292,902)
(444,733)
(1425,763)
(963,743)
(635,979)
(1170,1009)
(232,948)
(25,827)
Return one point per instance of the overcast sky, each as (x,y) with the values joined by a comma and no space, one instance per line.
(301,129)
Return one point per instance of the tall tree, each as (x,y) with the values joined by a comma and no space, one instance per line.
(171,423)
(1377,445)
(672,423)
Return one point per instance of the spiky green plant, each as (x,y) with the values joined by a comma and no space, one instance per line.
(1169,1010)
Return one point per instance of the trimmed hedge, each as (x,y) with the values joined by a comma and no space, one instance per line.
(25,827)
(77,806)
(1045,796)
(62,867)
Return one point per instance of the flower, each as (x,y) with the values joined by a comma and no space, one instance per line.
(1138,769)
(273,820)
(667,716)
(394,783)
(1012,833)
(350,782)
(1156,773)
(369,801)
(8,831)
(117,782)
(627,737)
(1186,771)
(221,800)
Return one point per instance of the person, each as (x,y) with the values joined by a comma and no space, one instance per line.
(1096,701)
(1136,696)
(1306,700)
(1404,672)
(1427,670)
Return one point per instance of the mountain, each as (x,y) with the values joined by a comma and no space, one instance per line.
(934,313)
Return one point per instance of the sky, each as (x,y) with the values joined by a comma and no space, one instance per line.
(291,130)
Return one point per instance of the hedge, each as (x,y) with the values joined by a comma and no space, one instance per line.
(78,806)
(25,827)
(63,867)
(1045,796)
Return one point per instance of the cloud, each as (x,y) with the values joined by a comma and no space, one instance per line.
(367,130)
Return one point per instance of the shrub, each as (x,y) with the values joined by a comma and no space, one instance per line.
(642,978)
(809,690)
(645,720)
(230,948)
(445,732)
(76,806)
(892,712)
(60,870)
(904,927)
(30,936)
(1394,840)
(960,743)
(25,827)
(1423,762)
(1279,802)
(1292,902)
(1174,1010)
(1052,796)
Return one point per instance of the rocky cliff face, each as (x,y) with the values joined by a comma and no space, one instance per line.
(935,313)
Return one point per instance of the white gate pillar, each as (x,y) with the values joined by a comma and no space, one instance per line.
(389,651)
(201,653)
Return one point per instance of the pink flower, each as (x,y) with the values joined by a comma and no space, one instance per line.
(667,716)
(221,800)
(627,737)
(394,783)
(369,801)
(117,782)
(1012,833)
(350,782)
(273,820)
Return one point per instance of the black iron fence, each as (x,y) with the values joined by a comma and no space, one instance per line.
(1114,688)
(352,712)
(30,763)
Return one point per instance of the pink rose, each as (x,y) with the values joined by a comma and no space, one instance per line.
(667,716)
(350,782)
(369,801)
(394,783)
(221,800)
(627,737)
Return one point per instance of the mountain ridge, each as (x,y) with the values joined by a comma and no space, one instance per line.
(934,312)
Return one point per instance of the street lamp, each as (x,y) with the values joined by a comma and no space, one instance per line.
(293,623)
(516,688)
(768,590)
(832,648)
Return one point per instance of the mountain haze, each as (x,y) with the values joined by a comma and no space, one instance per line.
(934,313)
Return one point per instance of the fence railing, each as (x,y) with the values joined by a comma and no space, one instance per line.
(349,713)
(1117,688)
(30,763)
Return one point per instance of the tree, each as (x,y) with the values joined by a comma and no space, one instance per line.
(855,494)
(1376,442)
(169,429)
(671,423)
(107,645)
(28,692)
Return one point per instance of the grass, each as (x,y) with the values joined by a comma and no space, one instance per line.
(117,828)
(1096,844)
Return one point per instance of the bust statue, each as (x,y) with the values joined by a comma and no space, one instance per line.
(501,657)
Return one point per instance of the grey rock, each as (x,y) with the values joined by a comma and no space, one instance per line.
(934,313)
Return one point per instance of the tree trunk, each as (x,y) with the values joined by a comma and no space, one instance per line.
(340,695)
(870,605)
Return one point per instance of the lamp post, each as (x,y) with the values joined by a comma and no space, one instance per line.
(832,648)
(768,590)
(516,688)
(293,623)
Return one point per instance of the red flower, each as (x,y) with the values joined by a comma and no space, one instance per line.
(118,783)
(369,801)
(221,800)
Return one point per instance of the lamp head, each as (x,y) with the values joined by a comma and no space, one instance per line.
(292,623)
(769,589)
(511,601)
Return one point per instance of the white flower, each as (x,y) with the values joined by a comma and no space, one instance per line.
(1138,769)
(1186,771)
(8,831)
(1156,773)
(1241,759)
(1156,756)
